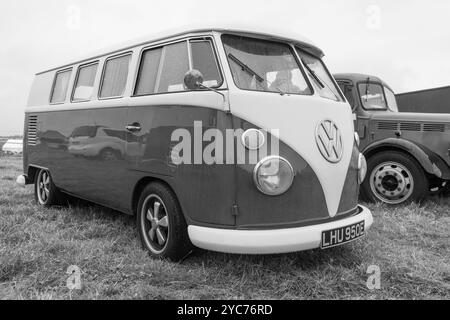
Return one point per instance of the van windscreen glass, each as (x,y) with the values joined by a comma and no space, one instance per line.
(372,96)
(261,65)
(320,77)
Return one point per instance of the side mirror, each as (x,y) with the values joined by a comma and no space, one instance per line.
(193,80)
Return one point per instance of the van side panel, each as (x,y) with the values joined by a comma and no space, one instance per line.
(205,192)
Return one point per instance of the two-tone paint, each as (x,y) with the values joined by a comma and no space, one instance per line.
(223,209)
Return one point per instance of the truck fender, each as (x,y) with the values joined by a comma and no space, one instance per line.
(429,161)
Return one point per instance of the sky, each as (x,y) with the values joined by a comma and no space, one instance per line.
(405,42)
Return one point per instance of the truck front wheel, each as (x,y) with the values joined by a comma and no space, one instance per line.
(394,178)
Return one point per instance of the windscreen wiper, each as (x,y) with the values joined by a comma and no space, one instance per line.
(311,71)
(322,83)
(250,71)
(367,88)
(246,68)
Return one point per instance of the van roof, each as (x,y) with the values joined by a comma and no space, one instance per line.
(260,31)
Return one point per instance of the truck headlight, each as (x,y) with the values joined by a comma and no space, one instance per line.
(362,168)
(273,175)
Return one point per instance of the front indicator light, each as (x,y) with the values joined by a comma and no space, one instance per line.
(357,139)
(362,168)
(273,175)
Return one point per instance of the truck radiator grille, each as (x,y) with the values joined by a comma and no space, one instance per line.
(434,127)
(387,125)
(410,126)
(32,130)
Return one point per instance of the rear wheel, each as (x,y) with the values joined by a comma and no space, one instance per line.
(45,192)
(394,178)
(161,225)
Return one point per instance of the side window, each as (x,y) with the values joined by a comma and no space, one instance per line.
(148,71)
(204,60)
(347,90)
(60,86)
(175,64)
(84,86)
(115,77)
(163,69)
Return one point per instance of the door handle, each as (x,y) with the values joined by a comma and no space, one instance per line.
(135,127)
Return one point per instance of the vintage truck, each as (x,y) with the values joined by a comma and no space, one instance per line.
(408,154)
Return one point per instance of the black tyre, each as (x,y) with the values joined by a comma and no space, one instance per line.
(394,178)
(45,192)
(161,224)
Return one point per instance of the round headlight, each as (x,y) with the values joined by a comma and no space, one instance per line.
(273,175)
(362,168)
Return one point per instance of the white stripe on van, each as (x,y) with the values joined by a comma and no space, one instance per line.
(297,118)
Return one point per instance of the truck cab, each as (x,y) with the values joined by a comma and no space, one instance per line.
(408,154)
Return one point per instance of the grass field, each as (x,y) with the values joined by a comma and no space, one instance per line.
(409,244)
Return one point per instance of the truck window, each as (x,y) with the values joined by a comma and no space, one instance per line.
(372,96)
(347,89)
(391,100)
(204,60)
(115,77)
(60,86)
(261,65)
(84,86)
(163,69)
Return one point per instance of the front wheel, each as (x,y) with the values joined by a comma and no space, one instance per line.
(394,178)
(161,225)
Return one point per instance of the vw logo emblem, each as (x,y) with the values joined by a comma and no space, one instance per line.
(329,141)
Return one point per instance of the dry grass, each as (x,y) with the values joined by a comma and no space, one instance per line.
(409,244)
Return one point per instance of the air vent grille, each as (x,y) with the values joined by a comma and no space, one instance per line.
(32,130)
(434,127)
(410,126)
(387,125)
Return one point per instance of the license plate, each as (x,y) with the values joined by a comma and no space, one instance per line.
(339,236)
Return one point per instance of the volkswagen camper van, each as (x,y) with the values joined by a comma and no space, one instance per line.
(229,139)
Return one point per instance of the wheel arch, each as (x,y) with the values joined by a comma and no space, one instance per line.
(32,172)
(431,163)
(141,184)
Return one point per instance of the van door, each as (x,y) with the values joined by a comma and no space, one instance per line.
(161,109)
(108,162)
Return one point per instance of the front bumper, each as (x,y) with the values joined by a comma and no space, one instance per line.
(270,241)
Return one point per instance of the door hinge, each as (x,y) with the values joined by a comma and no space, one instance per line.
(235,210)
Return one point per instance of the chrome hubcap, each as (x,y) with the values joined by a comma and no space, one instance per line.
(392,182)
(43,186)
(155,223)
